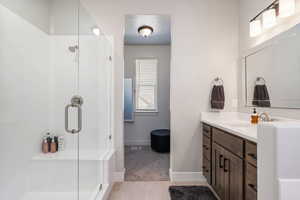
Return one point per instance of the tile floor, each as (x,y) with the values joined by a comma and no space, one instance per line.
(144,190)
(143,164)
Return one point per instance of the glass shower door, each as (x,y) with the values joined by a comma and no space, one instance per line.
(56,174)
(55,83)
(39,63)
(94,88)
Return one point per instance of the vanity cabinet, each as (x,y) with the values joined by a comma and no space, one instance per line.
(232,164)
(207,142)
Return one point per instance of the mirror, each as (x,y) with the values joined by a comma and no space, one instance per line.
(272,72)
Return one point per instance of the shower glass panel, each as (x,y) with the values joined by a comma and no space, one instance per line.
(94,88)
(48,56)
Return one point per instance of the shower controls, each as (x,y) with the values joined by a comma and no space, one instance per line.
(76,102)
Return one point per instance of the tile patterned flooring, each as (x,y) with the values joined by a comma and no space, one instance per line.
(144,190)
(143,164)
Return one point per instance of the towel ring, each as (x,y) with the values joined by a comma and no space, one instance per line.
(260,80)
(218,81)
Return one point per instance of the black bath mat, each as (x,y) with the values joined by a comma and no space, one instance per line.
(191,193)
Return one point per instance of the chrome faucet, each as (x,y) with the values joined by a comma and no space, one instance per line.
(265,117)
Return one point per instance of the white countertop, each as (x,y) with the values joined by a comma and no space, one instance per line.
(233,122)
(239,124)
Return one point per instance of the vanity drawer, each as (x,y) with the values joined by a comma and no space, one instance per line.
(251,153)
(228,141)
(206,147)
(251,182)
(207,170)
(207,130)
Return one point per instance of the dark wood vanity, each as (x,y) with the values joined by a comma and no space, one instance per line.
(229,164)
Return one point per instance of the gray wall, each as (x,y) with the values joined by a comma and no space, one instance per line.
(138,132)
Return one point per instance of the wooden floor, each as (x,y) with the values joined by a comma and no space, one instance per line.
(144,190)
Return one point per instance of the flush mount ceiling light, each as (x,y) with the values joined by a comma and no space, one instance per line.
(96,31)
(145,31)
(286,8)
(269,18)
(255,28)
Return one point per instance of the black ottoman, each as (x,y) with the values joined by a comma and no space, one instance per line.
(160,140)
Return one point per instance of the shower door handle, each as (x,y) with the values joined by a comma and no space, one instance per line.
(79,118)
(79,112)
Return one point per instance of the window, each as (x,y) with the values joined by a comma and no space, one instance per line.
(146,85)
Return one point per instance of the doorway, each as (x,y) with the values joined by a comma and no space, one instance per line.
(147,55)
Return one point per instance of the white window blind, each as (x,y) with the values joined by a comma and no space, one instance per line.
(146,85)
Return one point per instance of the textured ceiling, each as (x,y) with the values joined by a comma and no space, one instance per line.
(160,23)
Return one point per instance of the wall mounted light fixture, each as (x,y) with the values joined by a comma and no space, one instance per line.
(255,28)
(286,8)
(267,18)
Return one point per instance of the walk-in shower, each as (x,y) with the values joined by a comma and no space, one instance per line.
(55,119)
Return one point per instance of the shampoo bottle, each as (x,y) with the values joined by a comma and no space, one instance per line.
(53,148)
(45,146)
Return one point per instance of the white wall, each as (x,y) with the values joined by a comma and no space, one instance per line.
(24,81)
(138,132)
(36,12)
(248,9)
(204,45)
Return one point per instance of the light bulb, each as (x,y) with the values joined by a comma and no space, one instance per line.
(255,28)
(286,8)
(145,31)
(269,18)
(96,31)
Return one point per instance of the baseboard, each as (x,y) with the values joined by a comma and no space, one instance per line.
(186,176)
(119,176)
(137,142)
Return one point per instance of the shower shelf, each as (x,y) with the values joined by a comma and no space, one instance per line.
(85,155)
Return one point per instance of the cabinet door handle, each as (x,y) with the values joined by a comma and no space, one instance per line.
(205,147)
(220,161)
(252,155)
(205,130)
(226,165)
(253,187)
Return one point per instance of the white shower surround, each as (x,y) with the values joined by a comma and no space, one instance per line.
(36,81)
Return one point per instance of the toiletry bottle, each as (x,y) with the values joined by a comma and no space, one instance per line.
(48,137)
(254,117)
(53,146)
(61,143)
(45,146)
(56,142)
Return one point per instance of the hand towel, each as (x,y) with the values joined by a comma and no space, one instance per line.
(261,96)
(218,97)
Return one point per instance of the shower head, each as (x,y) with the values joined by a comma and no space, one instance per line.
(73,49)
